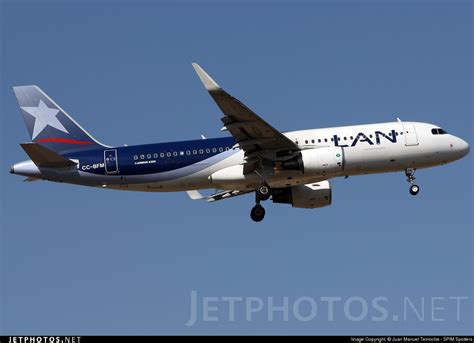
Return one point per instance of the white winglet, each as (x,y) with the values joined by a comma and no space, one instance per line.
(195,195)
(208,82)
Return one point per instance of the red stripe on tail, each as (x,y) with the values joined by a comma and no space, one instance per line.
(63,140)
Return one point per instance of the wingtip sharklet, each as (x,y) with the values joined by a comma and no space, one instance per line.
(195,195)
(207,81)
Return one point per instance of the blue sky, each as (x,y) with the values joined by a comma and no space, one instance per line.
(91,261)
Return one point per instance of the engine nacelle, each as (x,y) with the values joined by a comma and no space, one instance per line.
(312,195)
(318,161)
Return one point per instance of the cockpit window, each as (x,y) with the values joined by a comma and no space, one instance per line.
(438,131)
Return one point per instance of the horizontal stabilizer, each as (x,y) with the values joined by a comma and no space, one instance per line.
(43,157)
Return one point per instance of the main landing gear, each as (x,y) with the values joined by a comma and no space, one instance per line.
(258,213)
(414,189)
(262,193)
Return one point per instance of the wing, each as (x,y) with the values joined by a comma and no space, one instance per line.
(253,134)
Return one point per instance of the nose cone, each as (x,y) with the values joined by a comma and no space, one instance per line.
(463,147)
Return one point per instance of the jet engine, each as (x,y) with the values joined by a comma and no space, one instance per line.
(318,161)
(312,195)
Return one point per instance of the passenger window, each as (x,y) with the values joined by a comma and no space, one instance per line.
(148,156)
(195,152)
(319,140)
(221,149)
(175,153)
(188,152)
(181,153)
(135,157)
(168,154)
(142,157)
(208,151)
(162,154)
(201,151)
(214,150)
(227,148)
(155,155)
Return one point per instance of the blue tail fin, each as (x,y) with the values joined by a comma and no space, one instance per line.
(49,125)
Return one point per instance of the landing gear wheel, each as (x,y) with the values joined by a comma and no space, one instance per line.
(414,189)
(258,213)
(263,192)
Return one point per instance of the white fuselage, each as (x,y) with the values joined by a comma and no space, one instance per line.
(365,151)
(361,149)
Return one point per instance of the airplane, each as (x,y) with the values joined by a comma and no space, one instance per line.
(289,167)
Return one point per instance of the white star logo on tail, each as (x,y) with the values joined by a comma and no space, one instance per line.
(44,116)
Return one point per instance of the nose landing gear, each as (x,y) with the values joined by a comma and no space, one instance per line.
(414,189)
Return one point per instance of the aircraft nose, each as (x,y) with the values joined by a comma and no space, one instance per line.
(463,147)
